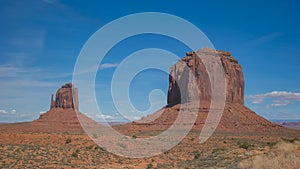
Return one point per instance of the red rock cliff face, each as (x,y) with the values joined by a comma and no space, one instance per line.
(179,76)
(66,97)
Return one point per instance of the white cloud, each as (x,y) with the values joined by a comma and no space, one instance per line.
(136,117)
(42,112)
(279,104)
(8,112)
(279,98)
(101,116)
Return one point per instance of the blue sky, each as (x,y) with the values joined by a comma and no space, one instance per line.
(40,41)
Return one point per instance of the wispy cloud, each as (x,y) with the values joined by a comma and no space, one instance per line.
(279,98)
(19,73)
(265,38)
(49,1)
(108,65)
(22,45)
(279,104)
(28,38)
(95,68)
(12,75)
(65,10)
(9,70)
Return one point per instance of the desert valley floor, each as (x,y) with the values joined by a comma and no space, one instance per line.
(223,150)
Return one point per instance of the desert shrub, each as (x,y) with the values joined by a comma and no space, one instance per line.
(196,154)
(68,140)
(164,151)
(120,161)
(99,148)
(95,135)
(75,153)
(66,133)
(218,149)
(159,165)
(134,136)
(289,140)
(89,147)
(271,144)
(122,145)
(244,145)
(149,166)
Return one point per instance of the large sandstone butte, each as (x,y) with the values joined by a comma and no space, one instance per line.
(236,116)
